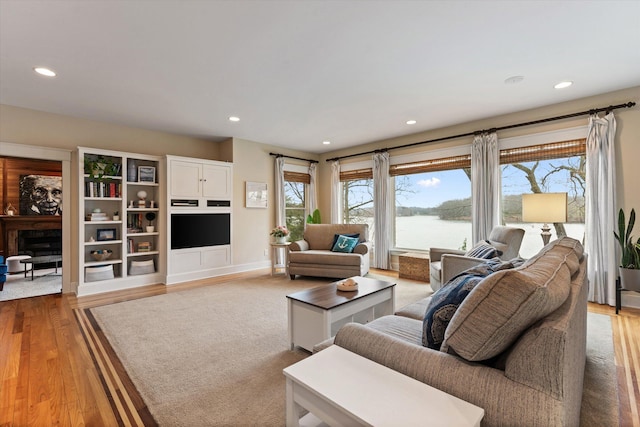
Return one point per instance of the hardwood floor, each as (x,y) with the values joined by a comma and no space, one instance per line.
(49,377)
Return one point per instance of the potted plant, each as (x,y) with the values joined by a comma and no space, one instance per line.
(100,166)
(280,233)
(314,218)
(630,261)
(150,216)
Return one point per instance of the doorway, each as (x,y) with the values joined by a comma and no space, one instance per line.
(49,170)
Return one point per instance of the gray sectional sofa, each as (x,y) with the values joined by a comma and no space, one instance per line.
(312,256)
(516,345)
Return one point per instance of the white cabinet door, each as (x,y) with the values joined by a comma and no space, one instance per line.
(216,182)
(185,179)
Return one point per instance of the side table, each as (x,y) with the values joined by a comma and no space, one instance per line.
(342,388)
(414,265)
(280,265)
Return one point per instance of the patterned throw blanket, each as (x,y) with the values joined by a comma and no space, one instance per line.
(447,299)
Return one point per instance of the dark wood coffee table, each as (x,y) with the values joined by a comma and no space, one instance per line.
(316,314)
(47,259)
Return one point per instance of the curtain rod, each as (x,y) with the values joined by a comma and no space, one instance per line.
(291,157)
(478,132)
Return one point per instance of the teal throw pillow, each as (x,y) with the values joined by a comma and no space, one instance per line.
(345,244)
(335,237)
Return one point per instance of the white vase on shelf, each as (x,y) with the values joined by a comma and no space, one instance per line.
(281,239)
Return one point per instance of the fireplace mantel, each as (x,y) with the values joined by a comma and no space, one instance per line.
(11,224)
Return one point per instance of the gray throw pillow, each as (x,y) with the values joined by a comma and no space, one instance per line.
(483,250)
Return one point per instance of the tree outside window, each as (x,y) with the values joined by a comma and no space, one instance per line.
(295,208)
(566,174)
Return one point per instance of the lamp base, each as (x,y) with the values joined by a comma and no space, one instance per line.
(546,234)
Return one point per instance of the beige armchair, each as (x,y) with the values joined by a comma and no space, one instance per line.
(312,256)
(446,263)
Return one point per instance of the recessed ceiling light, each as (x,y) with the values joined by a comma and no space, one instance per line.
(562,85)
(234,119)
(411,122)
(513,80)
(326,142)
(44,71)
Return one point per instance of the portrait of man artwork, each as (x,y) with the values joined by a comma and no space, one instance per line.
(40,195)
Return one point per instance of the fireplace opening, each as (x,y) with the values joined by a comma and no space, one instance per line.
(40,243)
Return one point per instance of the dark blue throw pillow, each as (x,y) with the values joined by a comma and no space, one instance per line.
(446,300)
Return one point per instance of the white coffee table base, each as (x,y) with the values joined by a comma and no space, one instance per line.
(310,325)
(342,388)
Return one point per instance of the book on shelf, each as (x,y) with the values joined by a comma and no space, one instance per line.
(103,189)
(99,216)
(144,246)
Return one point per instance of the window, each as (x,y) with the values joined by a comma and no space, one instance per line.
(357,197)
(295,189)
(545,168)
(433,203)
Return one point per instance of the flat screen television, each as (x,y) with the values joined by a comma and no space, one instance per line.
(193,230)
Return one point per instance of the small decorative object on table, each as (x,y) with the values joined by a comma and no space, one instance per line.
(347,285)
(10,210)
(142,196)
(146,174)
(101,254)
(150,216)
(280,234)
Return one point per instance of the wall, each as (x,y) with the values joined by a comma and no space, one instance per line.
(251,228)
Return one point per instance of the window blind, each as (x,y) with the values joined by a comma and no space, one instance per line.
(356,174)
(297,177)
(554,150)
(445,163)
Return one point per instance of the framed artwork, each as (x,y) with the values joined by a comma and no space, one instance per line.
(106,234)
(256,195)
(146,174)
(40,195)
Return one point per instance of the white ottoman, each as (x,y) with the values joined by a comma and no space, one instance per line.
(14,266)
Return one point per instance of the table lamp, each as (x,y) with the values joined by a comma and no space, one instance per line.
(544,208)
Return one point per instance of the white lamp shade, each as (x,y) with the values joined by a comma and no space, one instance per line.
(544,207)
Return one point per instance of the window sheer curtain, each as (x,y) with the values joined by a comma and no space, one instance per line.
(485,185)
(601,217)
(382,203)
(279,191)
(336,201)
(312,203)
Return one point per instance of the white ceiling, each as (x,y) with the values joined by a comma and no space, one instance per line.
(300,72)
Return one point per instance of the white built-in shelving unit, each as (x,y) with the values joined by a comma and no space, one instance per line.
(112,216)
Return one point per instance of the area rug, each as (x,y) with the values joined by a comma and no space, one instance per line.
(600,404)
(45,283)
(213,356)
